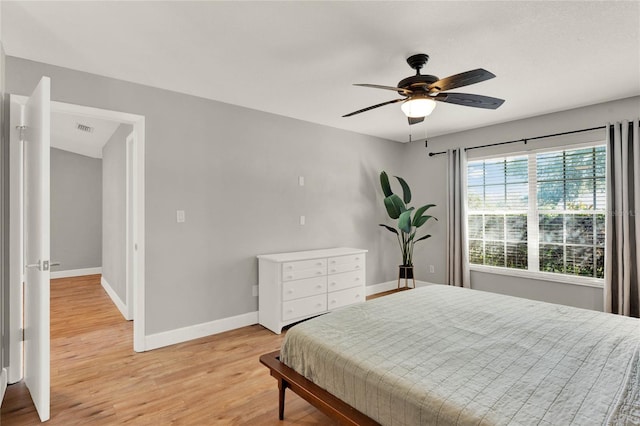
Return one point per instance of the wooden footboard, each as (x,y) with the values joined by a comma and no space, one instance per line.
(314,394)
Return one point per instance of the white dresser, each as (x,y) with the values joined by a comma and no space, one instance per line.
(299,285)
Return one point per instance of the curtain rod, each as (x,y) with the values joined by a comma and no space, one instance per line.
(525,140)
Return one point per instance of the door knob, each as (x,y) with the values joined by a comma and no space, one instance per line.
(42,265)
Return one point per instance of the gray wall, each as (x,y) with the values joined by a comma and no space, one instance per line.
(235,173)
(76,210)
(4,218)
(427,175)
(114,225)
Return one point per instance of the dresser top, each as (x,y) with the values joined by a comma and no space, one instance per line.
(310,254)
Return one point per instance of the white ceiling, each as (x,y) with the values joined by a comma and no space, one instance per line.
(299,59)
(65,134)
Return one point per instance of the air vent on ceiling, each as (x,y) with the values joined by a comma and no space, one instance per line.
(84,128)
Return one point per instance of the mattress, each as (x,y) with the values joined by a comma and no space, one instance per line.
(442,355)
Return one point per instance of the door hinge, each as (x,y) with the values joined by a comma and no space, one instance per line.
(21,331)
(21,130)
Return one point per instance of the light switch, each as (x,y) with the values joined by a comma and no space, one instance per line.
(301,180)
(302,220)
(180,218)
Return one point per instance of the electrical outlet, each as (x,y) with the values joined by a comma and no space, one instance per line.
(254,290)
(432,269)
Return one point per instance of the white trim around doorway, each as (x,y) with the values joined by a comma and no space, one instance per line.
(136,308)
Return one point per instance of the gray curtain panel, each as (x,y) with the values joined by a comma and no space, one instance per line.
(622,259)
(457,255)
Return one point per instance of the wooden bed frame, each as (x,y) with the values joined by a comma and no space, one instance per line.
(314,394)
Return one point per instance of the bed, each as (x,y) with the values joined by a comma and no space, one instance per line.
(450,356)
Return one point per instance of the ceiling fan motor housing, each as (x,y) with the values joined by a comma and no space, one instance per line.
(417,82)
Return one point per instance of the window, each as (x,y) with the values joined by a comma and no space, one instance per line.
(540,212)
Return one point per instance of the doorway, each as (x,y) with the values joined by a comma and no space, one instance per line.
(135,273)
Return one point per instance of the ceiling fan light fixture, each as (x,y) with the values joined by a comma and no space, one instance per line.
(417,107)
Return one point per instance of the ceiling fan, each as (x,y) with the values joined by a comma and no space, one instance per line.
(421,91)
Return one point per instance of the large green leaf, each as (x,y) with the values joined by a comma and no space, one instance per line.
(406,192)
(394,230)
(404,222)
(419,219)
(384,183)
(394,206)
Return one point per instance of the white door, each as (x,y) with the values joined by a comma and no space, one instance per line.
(37,126)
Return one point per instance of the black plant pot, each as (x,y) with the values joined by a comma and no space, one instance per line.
(406,271)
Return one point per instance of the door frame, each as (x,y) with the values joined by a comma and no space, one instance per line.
(131,225)
(137,290)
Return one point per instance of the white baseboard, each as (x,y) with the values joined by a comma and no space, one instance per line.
(122,307)
(179,335)
(381,288)
(3,384)
(166,338)
(76,272)
(391,285)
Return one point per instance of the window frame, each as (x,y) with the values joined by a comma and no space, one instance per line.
(533,213)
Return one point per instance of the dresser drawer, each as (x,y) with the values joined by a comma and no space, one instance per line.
(341,298)
(353,258)
(345,264)
(304,273)
(304,288)
(303,264)
(304,307)
(346,280)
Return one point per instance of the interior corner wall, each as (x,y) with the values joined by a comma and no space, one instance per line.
(234,171)
(114,205)
(428,176)
(76,210)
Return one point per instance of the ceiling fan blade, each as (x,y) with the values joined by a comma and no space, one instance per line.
(467,99)
(415,120)
(462,79)
(395,89)
(373,107)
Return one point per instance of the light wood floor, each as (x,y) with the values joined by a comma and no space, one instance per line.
(97,379)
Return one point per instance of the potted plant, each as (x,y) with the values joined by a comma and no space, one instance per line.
(409,220)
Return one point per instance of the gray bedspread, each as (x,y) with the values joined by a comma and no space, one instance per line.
(443,355)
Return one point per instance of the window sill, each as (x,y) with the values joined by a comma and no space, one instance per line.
(545,276)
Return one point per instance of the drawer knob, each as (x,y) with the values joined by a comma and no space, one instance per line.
(357,296)
(318,273)
(333,301)
(333,283)
(319,263)
(289,310)
(333,270)
(333,261)
(319,305)
(357,266)
(318,286)
(290,291)
(289,276)
(357,258)
(357,278)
